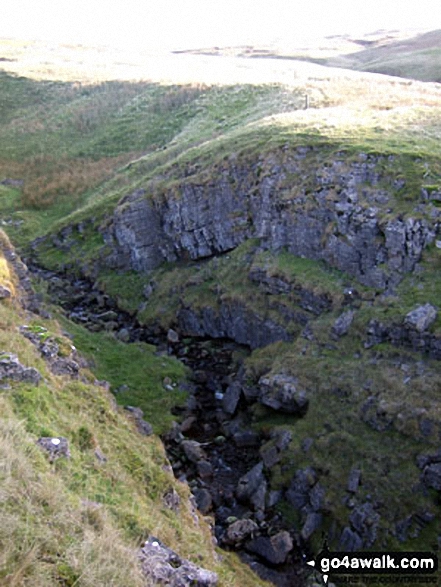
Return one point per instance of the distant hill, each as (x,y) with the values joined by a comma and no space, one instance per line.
(418,58)
(396,53)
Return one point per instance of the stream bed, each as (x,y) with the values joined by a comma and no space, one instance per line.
(212,445)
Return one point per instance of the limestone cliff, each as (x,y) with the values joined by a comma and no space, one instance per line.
(349,212)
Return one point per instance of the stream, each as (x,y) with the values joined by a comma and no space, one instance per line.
(213,447)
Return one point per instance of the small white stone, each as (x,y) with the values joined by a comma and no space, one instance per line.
(56,441)
(438,244)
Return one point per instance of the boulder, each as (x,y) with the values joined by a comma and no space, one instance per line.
(64,366)
(231,398)
(246,439)
(343,323)
(298,494)
(364,519)
(252,487)
(350,541)
(11,368)
(172,336)
(205,469)
(312,522)
(273,550)
(204,501)
(163,566)
(239,531)
(193,451)
(56,447)
(281,393)
(270,455)
(353,480)
(271,451)
(421,318)
(123,335)
(432,476)
(5,293)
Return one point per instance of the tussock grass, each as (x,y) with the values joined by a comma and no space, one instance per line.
(44,536)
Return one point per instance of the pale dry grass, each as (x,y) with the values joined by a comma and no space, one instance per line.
(43,534)
(48,178)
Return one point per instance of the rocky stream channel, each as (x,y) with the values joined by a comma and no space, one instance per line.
(213,448)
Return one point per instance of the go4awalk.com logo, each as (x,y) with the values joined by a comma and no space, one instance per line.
(394,564)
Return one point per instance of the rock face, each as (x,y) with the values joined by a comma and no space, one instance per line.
(407,334)
(162,566)
(312,211)
(231,320)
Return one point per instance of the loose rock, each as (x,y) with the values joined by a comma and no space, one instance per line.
(281,393)
(162,566)
(274,550)
(421,318)
(55,447)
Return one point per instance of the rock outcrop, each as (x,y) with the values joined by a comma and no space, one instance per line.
(234,320)
(163,566)
(12,369)
(335,212)
(282,393)
(411,333)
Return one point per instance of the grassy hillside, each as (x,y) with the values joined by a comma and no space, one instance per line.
(79,520)
(415,58)
(69,147)
(69,152)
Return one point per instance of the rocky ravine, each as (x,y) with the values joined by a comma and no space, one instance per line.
(353,215)
(214,449)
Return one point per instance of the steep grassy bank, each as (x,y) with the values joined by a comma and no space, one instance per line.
(80,520)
